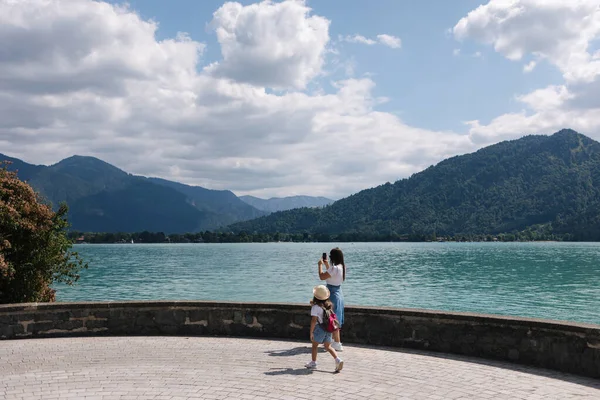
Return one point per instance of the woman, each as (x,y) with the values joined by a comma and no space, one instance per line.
(335,275)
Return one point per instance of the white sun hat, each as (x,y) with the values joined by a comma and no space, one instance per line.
(321,292)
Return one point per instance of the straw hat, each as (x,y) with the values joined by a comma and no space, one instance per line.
(321,292)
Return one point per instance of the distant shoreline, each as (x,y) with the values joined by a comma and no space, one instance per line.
(402,241)
(277,237)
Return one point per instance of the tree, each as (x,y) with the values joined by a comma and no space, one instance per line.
(34,249)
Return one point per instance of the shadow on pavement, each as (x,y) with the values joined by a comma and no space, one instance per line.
(289,371)
(289,352)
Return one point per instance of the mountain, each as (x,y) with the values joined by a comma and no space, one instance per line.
(77,177)
(275,204)
(139,206)
(551,181)
(222,202)
(103,198)
(26,171)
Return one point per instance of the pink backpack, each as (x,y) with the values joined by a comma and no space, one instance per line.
(330,321)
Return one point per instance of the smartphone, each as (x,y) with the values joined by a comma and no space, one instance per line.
(324,256)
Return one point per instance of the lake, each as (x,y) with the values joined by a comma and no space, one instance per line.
(544,280)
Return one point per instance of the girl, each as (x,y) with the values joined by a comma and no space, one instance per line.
(335,276)
(318,335)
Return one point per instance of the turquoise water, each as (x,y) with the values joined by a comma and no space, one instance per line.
(544,280)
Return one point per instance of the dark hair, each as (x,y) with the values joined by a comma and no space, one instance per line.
(327,304)
(337,258)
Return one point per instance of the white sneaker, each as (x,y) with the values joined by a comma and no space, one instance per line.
(339,364)
(337,346)
(311,365)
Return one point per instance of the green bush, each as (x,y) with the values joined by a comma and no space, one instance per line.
(34,249)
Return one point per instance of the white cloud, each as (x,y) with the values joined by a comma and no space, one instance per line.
(477,54)
(93,79)
(456,52)
(384,39)
(269,44)
(390,41)
(113,43)
(556,30)
(559,32)
(529,67)
(550,98)
(359,39)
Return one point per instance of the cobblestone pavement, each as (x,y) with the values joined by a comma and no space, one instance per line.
(178,368)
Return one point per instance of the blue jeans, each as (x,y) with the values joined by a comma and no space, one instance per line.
(320,335)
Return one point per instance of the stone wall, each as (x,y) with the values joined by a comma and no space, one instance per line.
(568,347)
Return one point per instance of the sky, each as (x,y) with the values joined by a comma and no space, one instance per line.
(280,98)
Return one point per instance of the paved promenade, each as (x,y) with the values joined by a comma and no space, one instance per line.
(178,368)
